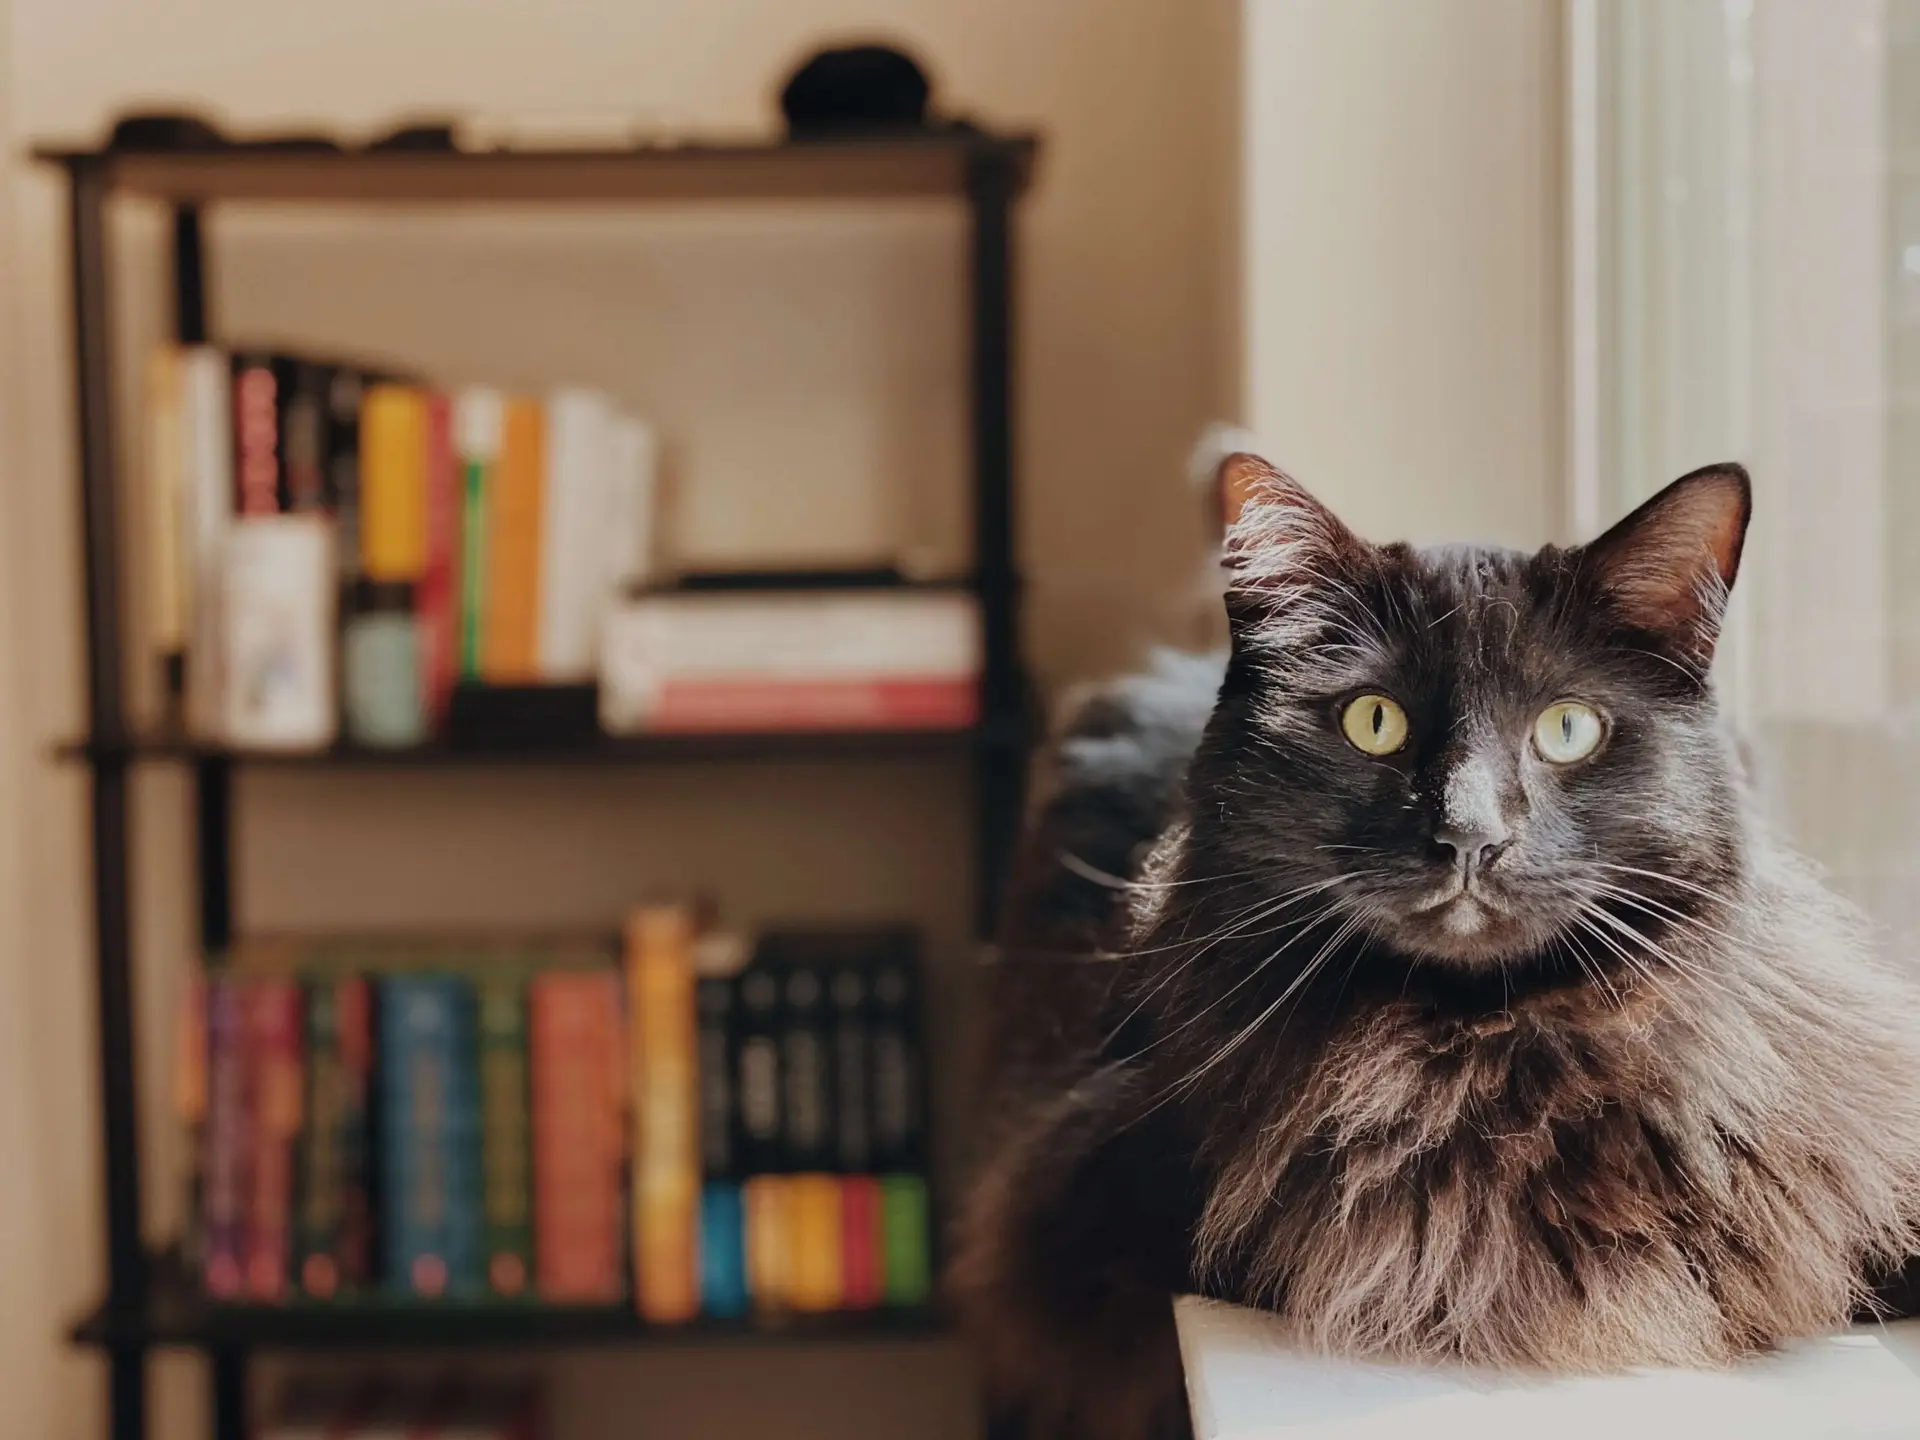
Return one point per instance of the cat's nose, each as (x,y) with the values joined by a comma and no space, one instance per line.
(1473,848)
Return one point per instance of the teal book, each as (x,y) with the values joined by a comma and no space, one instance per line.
(430,1137)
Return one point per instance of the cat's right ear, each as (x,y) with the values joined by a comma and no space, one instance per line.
(1281,543)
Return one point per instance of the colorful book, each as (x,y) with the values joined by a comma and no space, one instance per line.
(226,1185)
(862,1251)
(666,1112)
(479,417)
(273,1066)
(898,1081)
(574,550)
(719,661)
(393,483)
(334,1221)
(577,1076)
(506,1153)
(438,594)
(769,1228)
(815,1269)
(257,383)
(510,653)
(431,1202)
(723,1277)
(906,1240)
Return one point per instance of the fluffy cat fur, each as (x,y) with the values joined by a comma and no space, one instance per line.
(1451,1053)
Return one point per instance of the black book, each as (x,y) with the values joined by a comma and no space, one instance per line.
(305,415)
(757,1069)
(848,985)
(806,1089)
(715,1002)
(346,385)
(898,1055)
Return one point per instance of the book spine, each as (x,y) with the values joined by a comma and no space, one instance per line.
(318,1187)
(273,1043)
(723,1258)
(479,419)
(506,1156)
(862,1257)
(814,1279)
(906,1240)
(167,515)
(439,590)
(466,1214)
(354,1019)
(511,653)
(747,704)
(757,1070)
(257,383)
(418,1040)
(223,1204)
(769,1230)
(393,486)
(899,1127)
(806,1090)
(666,1109)
(574,1052)
(303,436)
(573,535)
(207,481)
(723,1276)
(346,391)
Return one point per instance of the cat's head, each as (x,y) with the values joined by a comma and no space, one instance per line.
(1471,755)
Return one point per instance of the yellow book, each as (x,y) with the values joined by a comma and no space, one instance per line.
(769,1241)
(666,1118)
(815,1234)
(510,627)
(393,483)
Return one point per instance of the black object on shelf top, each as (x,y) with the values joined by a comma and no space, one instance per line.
(931,163)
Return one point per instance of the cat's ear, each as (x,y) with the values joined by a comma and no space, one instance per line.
(1666,569)
(1282,546)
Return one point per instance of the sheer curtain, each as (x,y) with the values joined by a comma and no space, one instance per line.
(1745,221)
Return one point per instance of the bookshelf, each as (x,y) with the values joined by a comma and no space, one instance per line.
(150,1302)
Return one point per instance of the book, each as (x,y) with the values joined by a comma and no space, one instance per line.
(164,465)
(346,392)
(279,603)
(757,1087)
(815,1270)
(438,593)
(272,1069)
(479,417)
(723,1277)
(431,1200)
(718,661)
(906,1240)
(633,463)
(862,1251)
(847,985)
(510,654)
(806,1087)
(305,396)
(333,1230)
(577,1072)
(223,1218)
(257,382)
(666,1112)
(206,439)
(393,483)
(505,1142)
(898,1084)
(769,1228)
(574,549)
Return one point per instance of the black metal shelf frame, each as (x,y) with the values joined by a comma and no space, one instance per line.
(986,172)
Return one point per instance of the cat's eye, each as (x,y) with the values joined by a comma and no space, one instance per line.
(1566,731)
(1374,725)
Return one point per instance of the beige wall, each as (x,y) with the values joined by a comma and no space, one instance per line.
(1125,349)
(1403,260)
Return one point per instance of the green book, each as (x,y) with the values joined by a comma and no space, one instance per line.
(505,1133)
(473,564)
(905,1240)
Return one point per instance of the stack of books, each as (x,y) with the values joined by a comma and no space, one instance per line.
(568,1122)
(334,547)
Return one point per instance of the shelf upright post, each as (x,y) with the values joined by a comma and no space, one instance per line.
(212,811)
(992,182)
(106,720)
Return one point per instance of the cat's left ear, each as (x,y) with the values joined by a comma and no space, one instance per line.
(1666,569)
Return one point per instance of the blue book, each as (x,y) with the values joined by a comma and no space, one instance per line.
(723,1258)
(430,1138)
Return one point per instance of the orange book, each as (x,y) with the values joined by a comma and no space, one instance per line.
(574,1049)
(393,483)
(769,1241)
(814,1271)
(510,628)
(666,1120)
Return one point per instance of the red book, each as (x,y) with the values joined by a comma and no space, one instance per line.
(749,704)
(256,434)
(574,1054)
(274,1069)
(438,602)
(862,1273)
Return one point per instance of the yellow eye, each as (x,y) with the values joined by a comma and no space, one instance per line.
(1374,725)
(1567,731)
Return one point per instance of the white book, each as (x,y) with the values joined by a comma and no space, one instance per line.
(573,540)
(279,600)
(633,482)
(206,500)
(1246,1380)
